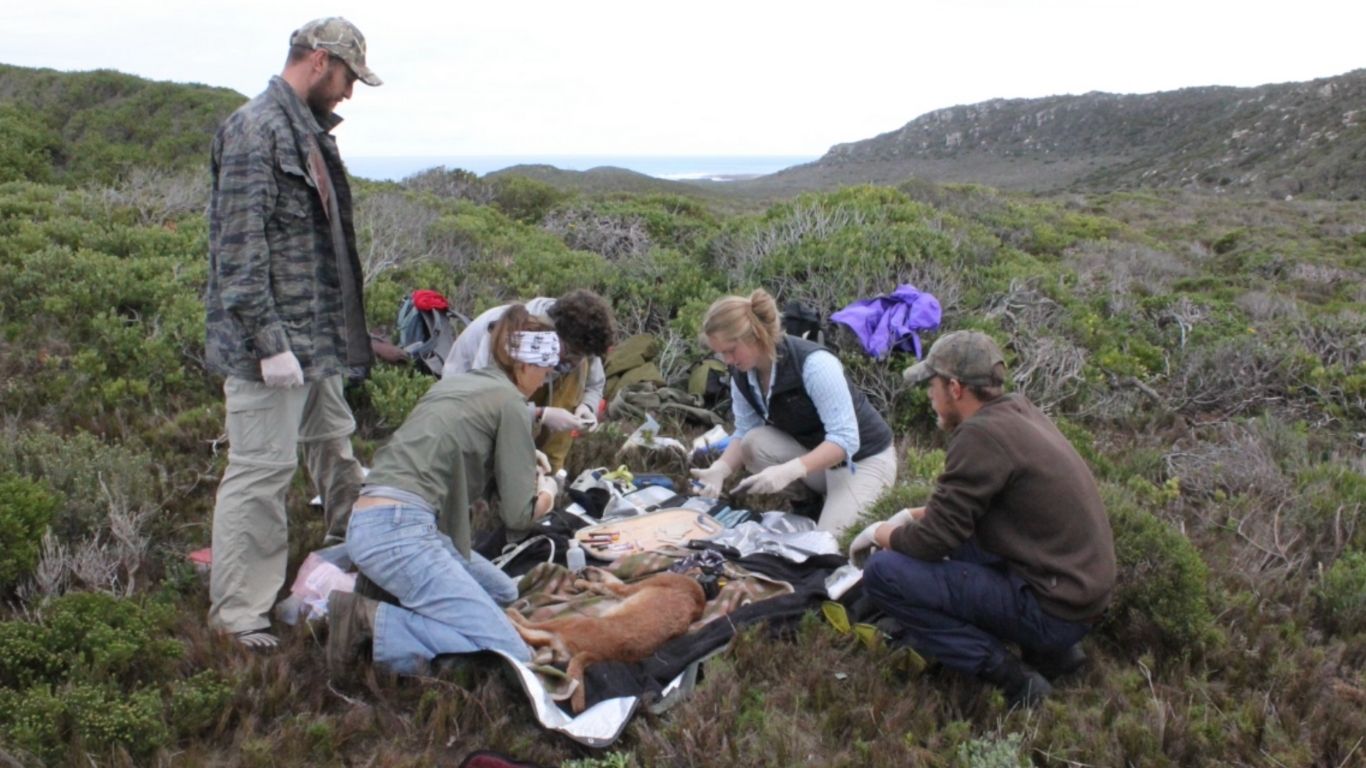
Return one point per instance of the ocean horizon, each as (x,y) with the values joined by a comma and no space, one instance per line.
(669,167)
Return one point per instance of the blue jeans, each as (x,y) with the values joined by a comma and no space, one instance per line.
(450,603)
(960,610)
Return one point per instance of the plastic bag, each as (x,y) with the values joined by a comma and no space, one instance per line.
(647,436)
(318,576)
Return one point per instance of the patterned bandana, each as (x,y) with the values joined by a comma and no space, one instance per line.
(540,348)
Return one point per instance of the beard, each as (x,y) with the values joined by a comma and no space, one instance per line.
(319,102)
(322,97)
(948,422)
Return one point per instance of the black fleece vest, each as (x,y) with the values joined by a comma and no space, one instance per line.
(791,410)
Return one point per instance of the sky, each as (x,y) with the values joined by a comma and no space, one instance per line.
(704,77)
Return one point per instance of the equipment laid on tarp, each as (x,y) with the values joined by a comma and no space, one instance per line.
(617,538)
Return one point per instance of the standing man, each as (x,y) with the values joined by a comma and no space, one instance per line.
(285,317)
(1014,544)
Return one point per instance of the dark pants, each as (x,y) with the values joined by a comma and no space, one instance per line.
(961,610)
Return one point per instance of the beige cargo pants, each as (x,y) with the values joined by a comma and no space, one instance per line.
(266,428)
(847,493)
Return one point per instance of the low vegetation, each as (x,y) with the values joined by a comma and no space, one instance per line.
(1206,355)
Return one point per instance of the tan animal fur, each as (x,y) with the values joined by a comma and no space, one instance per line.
(652,612)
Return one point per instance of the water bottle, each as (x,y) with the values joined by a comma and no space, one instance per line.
(574,556)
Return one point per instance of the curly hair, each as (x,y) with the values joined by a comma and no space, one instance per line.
(584,322)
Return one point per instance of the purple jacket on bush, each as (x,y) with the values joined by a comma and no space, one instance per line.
(890,322)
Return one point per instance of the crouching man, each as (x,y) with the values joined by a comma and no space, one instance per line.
(1013,546)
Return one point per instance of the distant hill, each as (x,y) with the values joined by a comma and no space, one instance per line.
(600,180)
(96,126)
(1286,139)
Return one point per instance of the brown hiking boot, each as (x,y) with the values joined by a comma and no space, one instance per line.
(351,628)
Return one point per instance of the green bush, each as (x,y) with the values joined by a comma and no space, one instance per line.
(1342,594)
(91,718)
(87,674)
(393,391)
(104,638)
(525,200)
(25,511)
(27,146)
(1160,600)
(82,472)
(198,702)
(992,753)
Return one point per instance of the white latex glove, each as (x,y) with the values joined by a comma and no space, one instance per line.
(709,480)
(774,478)
(863,544)
(542,463)
(558,419)
(282,370)
(588,420)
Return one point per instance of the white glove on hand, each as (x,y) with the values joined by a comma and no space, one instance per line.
(282,370)
(587,419)
(774,478)
(863,544)
(542,463)
(711,479)
(558,419)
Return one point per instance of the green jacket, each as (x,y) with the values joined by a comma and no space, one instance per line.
(468,437)
(283,269)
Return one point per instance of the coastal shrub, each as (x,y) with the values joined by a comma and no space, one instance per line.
(27,146)
(86,673)
(1342,595)
(1161,601)
(992,753)
(392,393)
(93,719)
(526,200)
(83,473)
(198,702)
(102,638)
(25,510)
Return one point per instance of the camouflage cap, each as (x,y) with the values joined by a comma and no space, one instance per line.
(969,356)
(340,38)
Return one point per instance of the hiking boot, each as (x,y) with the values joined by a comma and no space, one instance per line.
(351,628)
(1022,686)
(1056,664)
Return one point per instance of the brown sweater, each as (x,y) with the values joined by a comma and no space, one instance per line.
(1014,482)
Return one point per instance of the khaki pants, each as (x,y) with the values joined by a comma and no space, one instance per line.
(847,493)
(565,392)
(266,427)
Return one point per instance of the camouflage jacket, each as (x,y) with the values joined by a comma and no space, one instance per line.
(278,277)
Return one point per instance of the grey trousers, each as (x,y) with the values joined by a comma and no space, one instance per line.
(266,427)
(847,492)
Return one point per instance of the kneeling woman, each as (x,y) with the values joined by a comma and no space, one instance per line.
(797,416)
(410,529)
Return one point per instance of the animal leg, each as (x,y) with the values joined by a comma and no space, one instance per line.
(577,665)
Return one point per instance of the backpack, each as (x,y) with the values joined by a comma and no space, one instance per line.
(710,380)
(803,321)
(427,327)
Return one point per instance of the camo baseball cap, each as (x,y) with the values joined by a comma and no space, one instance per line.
(969,356)
(340,38)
